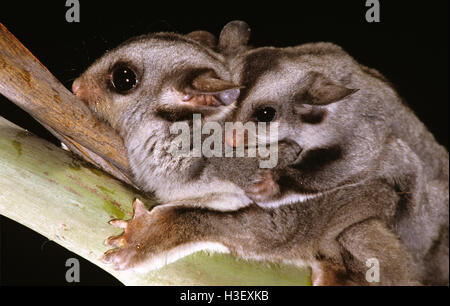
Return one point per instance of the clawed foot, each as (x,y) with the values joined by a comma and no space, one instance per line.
(130,244)
(264,188)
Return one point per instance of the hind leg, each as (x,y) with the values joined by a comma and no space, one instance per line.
(436,261)
(373,255)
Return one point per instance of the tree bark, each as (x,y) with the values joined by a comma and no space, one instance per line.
(27,83)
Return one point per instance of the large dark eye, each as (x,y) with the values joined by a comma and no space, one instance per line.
(265,114)
(123,79)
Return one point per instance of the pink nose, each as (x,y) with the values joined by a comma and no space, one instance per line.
(236,138)
(76,85)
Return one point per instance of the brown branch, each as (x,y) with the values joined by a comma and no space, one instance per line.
(27,83)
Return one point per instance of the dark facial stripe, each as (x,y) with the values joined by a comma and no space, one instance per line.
(174,114)
(317,159)
(315,116)
(255,66)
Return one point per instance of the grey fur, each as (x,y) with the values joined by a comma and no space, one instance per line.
(369,137)
(169,67)
(379,179)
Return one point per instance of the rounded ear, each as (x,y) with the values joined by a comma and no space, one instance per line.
(201,86)
(204,37)
(234,37)
(207,83)
(320,90)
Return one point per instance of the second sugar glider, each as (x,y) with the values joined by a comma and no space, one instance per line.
(343,128)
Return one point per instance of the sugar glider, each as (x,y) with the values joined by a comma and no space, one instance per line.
(346,128)
(144,86)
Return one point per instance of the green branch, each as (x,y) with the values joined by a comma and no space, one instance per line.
(48,190)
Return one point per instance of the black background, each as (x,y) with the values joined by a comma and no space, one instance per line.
(409,46)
